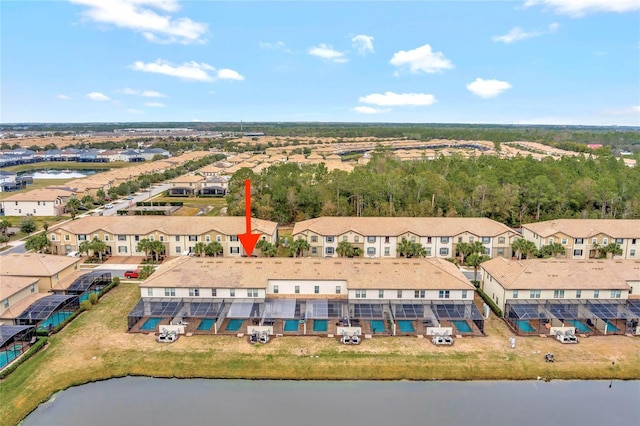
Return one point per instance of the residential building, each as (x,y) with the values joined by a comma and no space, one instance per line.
(47,269)
(186,185)
(309,296)
(178,234)
(16,294)
(581,237)
(38,202)
(535,294)
(379,236)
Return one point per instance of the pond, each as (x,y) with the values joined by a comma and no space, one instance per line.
(148,401)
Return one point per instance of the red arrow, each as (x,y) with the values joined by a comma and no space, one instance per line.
(248,239)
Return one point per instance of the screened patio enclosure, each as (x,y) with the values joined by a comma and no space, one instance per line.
(160,311)
(14,341)
(530,317)
(462,315)
(92,282)
(49,311)
(633,322)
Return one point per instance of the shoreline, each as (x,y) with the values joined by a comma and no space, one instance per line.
(96,347)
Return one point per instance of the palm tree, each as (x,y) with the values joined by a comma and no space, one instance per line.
(344,249)
(268,249)
(474,260)
(146,271)
(85,247)
(157,248)
(418,250)
(98,247)
(552,250)
(404,248)
(72,206)
(213,249)
(611,249)
(524,247)
(463,249)
(299,246)
(145,246)
(477,247)
(199,248)
(4,240)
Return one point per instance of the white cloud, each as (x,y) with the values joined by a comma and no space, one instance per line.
(97,96)
(363,44)
(579,8)
(135,111)
(370,110)
(145,93)
(64,97)
(398,99)
(421,59)
(632,110)
(193,71)
(487,88)
(517,34)
(278,45)
(227,74)
(325,51)
(155,104)
(139,16)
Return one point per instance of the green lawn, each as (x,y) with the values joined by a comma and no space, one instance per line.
(71,165)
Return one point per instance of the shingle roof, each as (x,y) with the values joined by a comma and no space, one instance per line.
(12,285)
(392,226)
(562,274)
(41,194)
(34,264)
(358,273)
(585,228)
(174,225)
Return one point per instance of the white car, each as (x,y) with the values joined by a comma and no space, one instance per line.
(108,206)
(73,254)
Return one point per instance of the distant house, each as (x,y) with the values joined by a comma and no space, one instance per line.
(7,181)
(186,185)
(38,202)
(46,269)
(215,186)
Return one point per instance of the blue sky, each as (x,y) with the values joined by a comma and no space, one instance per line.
(506,62)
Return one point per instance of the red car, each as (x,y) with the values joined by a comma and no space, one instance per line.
(132,274)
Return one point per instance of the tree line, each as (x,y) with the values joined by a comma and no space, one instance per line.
(511,191)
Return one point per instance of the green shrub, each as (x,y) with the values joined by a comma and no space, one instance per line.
(85,306)
(115,281)
(93,298)
(496,310)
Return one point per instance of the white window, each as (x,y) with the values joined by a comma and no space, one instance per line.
(314,250)
(605,241)
(619,241)
(329,250)
(218,238)
(380,294)
(252,292)
(578,294)
(399,294)
(579,241)
(428,251)
(67,237)
(344,238)
(314,238)
(596,294)
(371,251)
(594,241)
(356,239)
(316,289)
(214,292)
(550,240)
(486,240)
(53,237)
(470,239)
(577,252)
(464,294)
(177,238)
(534,294)
(564,241)
(178,250)
(122,249)
(169,292)
(500,240)
(371,239)
(194,238)
(558,294)
(296,289)
(632,252)
(161,237)
(207,238)
(419,294)
(234,250)
(106,237)
(6,303)
(82,238)
(233,238)
(276,289)
(515,294)
(444,240)
(361,294)
(232,292)
(149,292)
(616,294)
(122,238)
(444,251)
(194,292)
(338,289)
(152,238)
(387,251)
(443,294)
(329,239)
(413,239)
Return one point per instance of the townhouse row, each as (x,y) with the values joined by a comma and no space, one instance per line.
(376,237)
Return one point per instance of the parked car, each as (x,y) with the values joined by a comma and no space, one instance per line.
(108,206)
(132,274)
(129,197)
(73,254)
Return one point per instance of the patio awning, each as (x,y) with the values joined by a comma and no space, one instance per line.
(633,305)
(608,309)
(279,308)
(366,310)
(43,308)
(86,281)
(203,308)
(457,310)
(245,308)
(157,307)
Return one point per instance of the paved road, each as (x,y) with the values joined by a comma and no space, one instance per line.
(120,204)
